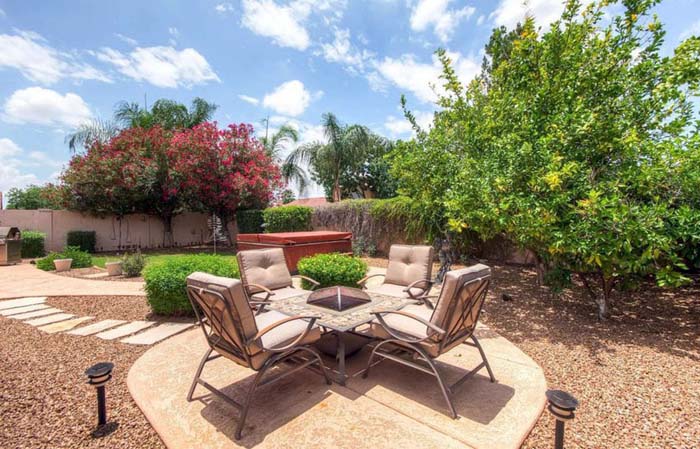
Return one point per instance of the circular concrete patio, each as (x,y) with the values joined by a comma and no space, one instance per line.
(395,407)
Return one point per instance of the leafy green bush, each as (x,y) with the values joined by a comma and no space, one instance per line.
(85,240)
(250,221)
(133,264)
(287,218)
(332,269)
(33,244)
(166,285)
(81,259)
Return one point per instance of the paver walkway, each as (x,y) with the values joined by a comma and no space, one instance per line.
(27,280)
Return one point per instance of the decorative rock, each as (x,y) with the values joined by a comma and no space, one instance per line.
(97,327)
(12,303)
(62,264)
(49,319)
(64,325)
(114,268)
(127,329)
(157,334)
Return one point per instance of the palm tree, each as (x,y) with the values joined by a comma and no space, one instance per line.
(95,130)
(275,144)
(345,144)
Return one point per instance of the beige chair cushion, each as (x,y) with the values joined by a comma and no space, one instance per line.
(265,267)
(450,294)
(407,326)
(225,324)
(408,264)
(281,335)
(281,293)
(394,290)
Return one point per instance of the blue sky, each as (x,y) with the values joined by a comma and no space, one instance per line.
(62,63)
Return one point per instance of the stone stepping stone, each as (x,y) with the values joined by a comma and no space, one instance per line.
(49,319)
(96,327)
(127,329)
(21,302)
(64,325)
(96,275)
(24,309)
(36,314)
(157,334)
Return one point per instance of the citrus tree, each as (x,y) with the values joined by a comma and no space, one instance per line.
(578,143)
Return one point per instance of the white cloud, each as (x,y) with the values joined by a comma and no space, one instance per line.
(29,53)
(11,174)
(398,126)
(480,20)
(126,39)
(423,79)
(161,66)
(45,107)
(692,30)
(290,98)
(39,158)
(342,51)
(436,14)
(173,31)
(248,99)
(2,13)
(8,149)
(223,8)
(510,12)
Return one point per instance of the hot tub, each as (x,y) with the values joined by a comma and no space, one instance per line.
(298,244)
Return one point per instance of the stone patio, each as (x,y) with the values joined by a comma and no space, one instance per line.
(395,407)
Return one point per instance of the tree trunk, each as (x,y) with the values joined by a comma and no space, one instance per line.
(336,191)
(168,239)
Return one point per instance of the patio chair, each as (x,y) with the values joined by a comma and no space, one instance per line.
(258,342)
(426,334)
(266,277)
(408,273)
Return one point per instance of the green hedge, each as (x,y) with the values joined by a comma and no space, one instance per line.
(250,221)
(332,269)
(81,259)
(85,240)
(288,218)
(166,284)
(33,244)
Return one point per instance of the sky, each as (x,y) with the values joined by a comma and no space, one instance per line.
(63,63)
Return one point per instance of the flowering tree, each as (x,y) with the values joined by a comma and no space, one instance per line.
(222,170)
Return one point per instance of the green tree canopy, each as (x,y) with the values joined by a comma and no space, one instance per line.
(33,197)
(578,143)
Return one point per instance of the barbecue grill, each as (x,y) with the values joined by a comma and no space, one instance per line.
(10,245)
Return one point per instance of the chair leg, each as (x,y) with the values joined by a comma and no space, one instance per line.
(446,392)
(371,358)
(322,367)
(198,373)
(249,397)
(483,357)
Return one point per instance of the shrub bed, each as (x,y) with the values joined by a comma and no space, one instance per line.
(166,285)
(250,221)
(288,218)
(332,269)
(81,259)
(33,244)
(133,264)
(85,240)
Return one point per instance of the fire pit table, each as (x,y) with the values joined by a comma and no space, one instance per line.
(341,310)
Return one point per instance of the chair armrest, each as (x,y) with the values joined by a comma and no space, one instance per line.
(364,279)
(312,321)
(423,297)
(306,278)
(401,335)
(263,288)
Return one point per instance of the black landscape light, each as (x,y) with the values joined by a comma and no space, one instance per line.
(562,405)
(98,376)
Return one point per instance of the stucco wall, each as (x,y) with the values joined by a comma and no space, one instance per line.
(138,230)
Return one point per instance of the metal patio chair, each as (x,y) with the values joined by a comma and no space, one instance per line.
(426,334)
(408,273)
(266,277)
(258,342)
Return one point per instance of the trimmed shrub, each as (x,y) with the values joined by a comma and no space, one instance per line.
(85,240)
(250,221)
(288,218)
(81,259)
(133,264)
(33,244)
(166,285)
(332,269)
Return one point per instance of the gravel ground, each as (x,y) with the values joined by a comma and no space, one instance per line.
(637,376)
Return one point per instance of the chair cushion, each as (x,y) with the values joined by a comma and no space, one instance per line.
(394,290)
(241,316)
(281,293)
(281,335)
(265,267)
(407,326)
(408,264)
